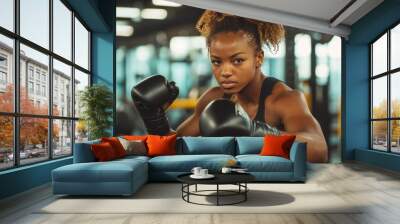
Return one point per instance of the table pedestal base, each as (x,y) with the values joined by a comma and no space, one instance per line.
(241,191)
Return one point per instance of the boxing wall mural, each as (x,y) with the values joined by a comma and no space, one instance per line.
(236,93)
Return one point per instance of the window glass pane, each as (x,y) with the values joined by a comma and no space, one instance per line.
(395,47)
(379,98)
(6,74)
(81,131)
(34,96)
(35,21)
(62,29)
(81,45)
(81,81)
(379,135)
(7,14)
(6,142)
(395,94)
(62,141)
(33,139)
(395,136)
(62,89)
(379,56)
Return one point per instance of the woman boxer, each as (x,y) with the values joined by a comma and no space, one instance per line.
(235,49)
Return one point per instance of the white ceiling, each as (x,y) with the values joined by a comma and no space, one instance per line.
(315,15)
(321,9)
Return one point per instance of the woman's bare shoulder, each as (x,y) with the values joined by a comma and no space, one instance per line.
(280,90)
(285,96)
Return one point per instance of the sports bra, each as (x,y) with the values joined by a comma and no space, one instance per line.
(266,90)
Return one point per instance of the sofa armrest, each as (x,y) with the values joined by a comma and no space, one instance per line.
(298,155)
(83,152)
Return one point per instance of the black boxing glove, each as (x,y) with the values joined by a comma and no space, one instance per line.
(152,96)
(219,118)
(223,117)
(257,128)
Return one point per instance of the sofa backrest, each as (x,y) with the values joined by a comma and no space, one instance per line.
(249,145)
(190,146)
(83,152)
(206,145)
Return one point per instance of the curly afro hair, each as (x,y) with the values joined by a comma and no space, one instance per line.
(211,23)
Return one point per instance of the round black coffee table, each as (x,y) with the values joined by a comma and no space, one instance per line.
(238,179)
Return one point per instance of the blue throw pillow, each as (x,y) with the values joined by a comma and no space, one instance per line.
(207,145)
(249,145)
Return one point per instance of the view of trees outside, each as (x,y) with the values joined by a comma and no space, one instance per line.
(33,132)
(81,131)
(62,144)
(33,138)
(379,128)
(6,141)
(7,128)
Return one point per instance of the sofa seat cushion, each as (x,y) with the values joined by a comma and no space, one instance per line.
(257,163)
(185,163)
(133,158)
(112,171)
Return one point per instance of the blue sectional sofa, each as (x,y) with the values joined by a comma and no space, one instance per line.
(125,176)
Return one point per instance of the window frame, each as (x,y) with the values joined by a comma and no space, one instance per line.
(16,115)
(3,77)
(388,74)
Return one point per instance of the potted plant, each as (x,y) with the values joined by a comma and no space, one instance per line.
(96,102)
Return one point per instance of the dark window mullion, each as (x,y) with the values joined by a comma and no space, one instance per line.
(37,116)
(370,98)
(385,73)
(7,33)
(389,112)
(73,83)
(16,83)
(62,59)
(84,70)
(379,75)
(371,137)
(89,54)
(8,113)
(389,106)
(50,87)
(386,119)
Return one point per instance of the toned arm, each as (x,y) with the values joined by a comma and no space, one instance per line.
(298,120)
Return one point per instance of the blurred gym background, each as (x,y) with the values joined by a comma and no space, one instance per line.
(159,37)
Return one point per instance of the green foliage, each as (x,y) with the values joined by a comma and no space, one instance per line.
(96,102)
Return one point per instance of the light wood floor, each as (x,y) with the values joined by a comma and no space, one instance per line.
(378,188)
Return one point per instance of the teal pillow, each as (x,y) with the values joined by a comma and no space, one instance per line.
(249,145)
(207,145)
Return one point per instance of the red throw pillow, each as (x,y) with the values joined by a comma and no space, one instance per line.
(116,145)
(103,151)
(277,145)
(161,145)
